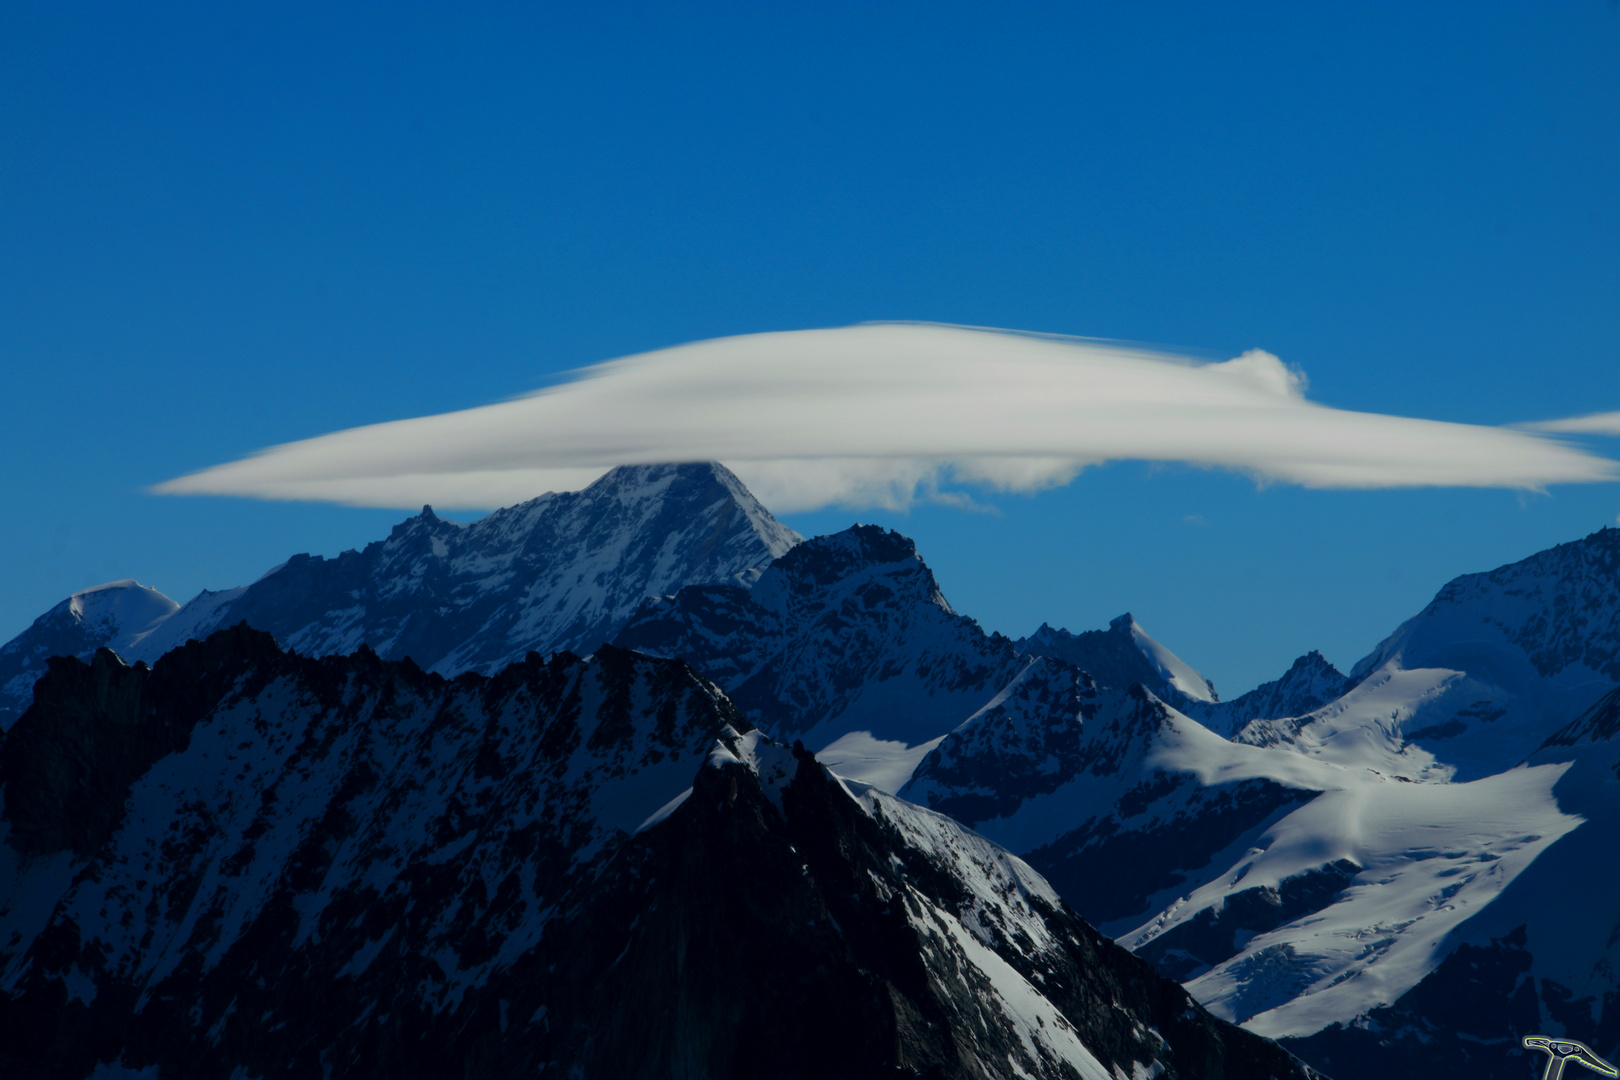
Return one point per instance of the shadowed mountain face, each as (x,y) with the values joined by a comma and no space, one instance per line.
(863,936)
(244,857)
(285,866)
(847,632)
(563,571)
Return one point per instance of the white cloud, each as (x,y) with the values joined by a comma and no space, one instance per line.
(883,414)
(1595,424)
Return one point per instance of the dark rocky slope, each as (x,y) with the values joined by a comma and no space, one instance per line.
(244,861)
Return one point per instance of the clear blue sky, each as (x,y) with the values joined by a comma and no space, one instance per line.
(226,229)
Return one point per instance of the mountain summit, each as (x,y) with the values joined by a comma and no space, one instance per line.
(1122,655)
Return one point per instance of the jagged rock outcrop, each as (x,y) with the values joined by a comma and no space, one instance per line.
(244,833)
(1309,683)
(817,934)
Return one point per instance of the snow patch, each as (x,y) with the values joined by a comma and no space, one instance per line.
(886,764)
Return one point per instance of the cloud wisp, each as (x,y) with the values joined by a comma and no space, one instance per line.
(884,414)
(1595,424)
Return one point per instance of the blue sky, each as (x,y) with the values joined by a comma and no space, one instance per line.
(225,230)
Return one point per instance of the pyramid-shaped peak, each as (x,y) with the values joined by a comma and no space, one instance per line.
(670,486)
(1175,671)
(1315,661)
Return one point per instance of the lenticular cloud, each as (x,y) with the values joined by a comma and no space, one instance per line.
(883,414)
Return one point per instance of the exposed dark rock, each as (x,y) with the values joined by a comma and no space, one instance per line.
(1307,685)
(1030,743)
(1130,829)
(107,616)
(1194,946)
(1112,657)
(1599,723)
(1108,871)
(94,728)
(794,937)
(266,840)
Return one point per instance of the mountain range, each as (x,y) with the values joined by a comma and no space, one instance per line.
(562,571)
(522,767)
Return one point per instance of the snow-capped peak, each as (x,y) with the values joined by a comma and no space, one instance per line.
(1122,655)
(1175,671)
(1554,615)
(127,605)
